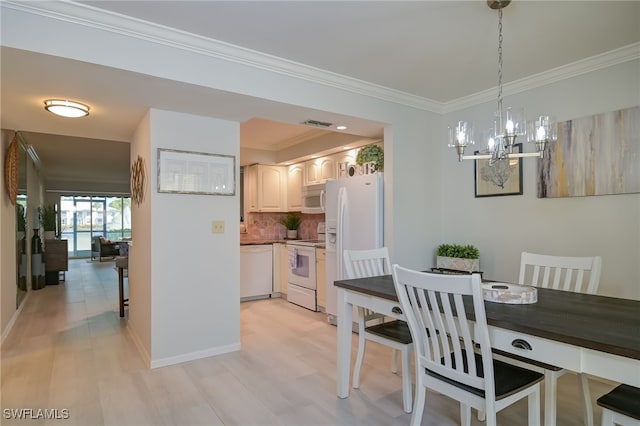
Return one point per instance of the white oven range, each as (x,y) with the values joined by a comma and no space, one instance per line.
(301,255)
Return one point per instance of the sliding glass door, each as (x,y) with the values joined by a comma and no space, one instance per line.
(84,217)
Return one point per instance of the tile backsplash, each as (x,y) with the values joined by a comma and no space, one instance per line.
(265,226)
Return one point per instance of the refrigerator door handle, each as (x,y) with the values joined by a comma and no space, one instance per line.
(342,206)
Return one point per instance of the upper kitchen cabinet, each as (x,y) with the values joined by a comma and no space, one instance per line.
(295,181)
(319,170)
(265,188)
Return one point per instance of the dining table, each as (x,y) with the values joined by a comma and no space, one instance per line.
(583,333)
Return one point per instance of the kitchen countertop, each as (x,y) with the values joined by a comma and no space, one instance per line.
(257,242)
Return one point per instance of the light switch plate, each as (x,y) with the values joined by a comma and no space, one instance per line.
(217,227)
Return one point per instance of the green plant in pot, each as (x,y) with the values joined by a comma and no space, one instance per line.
(291,221)
(48,220)
(371,153)
(459,257)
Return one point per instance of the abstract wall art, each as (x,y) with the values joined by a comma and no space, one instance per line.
(595,155)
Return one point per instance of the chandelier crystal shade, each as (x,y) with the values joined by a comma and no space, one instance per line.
(508,123)
(66,108)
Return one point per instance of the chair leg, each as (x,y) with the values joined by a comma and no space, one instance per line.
(534,406)
(361,347)
(607,418)
(406,379)
(418,409)
(583,383)
(465,415)
(394,362)
(481,415)
(550,385)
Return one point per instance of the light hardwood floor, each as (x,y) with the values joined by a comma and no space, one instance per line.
(70,350)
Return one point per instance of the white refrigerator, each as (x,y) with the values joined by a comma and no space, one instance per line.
(354,221)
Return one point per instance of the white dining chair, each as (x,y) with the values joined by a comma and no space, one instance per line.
(394,334)
(621,406)
(453,354)
(577,274)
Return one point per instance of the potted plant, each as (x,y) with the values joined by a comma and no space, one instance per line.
(48,220)
(291,221)
(371,153)
(459,257)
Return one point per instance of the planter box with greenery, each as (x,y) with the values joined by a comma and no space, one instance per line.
(458,257)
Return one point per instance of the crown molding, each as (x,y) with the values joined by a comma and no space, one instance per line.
(623,54)
(104,20)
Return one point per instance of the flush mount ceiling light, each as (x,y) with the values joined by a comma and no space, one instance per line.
(508,122)
(66,108)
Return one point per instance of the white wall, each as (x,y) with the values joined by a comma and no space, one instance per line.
(139,271)
(503,227)
(195,274)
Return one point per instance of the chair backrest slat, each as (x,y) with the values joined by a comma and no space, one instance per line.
(367,263)
(577,274)
(443,338)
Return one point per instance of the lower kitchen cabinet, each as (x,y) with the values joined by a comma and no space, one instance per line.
(321,284)
(280,268)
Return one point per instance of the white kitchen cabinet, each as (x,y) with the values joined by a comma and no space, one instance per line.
(319,170)
(295,180)
(250,189)
(256,275)
(265,188)
(321,274)
(284,269)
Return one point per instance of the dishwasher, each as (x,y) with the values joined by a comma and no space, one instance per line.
(256,271)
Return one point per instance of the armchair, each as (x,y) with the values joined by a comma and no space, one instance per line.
(103,248)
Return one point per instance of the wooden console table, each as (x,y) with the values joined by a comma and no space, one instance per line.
(56,259)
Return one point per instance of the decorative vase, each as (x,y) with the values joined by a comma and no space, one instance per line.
(37,264)
(292,234)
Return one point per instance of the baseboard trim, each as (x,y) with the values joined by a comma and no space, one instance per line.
(13,319)
(141,349)
(219,350)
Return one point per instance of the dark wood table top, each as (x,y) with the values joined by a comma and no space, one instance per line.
(606,324)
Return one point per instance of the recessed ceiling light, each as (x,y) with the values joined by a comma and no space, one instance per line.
(66,108)
(346,147)
(341,127)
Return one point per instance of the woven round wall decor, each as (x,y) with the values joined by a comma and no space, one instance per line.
(11,170)
(137,181)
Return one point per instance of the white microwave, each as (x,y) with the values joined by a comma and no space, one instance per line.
(313,199)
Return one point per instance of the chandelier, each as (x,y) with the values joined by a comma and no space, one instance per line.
(507,125)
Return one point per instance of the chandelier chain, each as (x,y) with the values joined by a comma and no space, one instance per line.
(500,63)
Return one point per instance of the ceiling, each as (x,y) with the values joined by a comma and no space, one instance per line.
(437,50)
